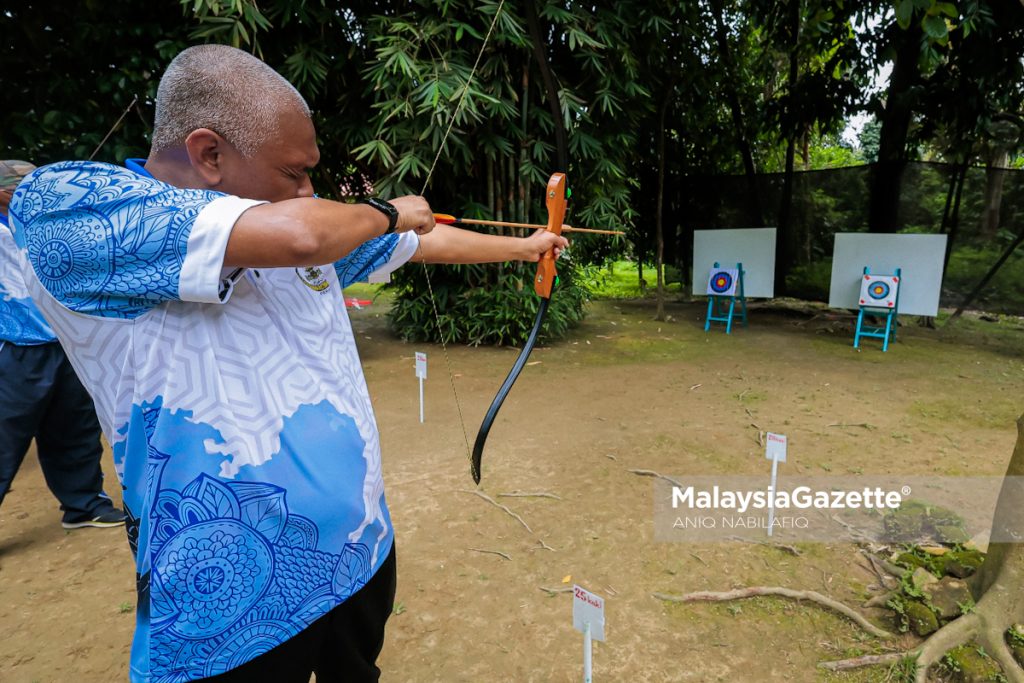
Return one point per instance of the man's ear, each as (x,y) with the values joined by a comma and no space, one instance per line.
(206,151)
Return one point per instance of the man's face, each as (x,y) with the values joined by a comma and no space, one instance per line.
(5,200)
(280,169)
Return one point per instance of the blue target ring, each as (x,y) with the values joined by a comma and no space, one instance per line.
(878,290)
(721,282)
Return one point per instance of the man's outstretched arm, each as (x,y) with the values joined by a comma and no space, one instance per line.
(311,232)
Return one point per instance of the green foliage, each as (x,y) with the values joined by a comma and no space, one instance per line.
(810,280)
(620,280)
(831,153)
(502,316)
(385,81)
(967,265)
(70,72)
(868,140)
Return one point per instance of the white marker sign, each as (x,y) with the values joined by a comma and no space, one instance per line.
(588,617)
(421,373)
(775,450)
(588,608)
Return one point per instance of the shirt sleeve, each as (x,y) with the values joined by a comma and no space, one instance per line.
(378,256)
(110,242)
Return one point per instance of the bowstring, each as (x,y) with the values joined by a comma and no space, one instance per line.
(117,123)
(426,182)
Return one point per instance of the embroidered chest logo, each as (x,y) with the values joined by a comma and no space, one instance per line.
(313,278)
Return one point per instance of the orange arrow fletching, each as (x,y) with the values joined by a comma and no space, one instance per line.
(445,219)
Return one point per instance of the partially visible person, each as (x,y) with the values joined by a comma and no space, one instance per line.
(198,293)
(41,397)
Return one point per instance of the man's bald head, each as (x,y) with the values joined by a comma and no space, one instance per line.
(225,90)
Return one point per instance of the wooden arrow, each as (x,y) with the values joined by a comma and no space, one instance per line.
(447,219)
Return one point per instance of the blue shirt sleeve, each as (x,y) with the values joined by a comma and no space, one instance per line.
(106,241)
(379,255)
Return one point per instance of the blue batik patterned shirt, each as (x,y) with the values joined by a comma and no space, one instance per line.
(234,401)
(20,321)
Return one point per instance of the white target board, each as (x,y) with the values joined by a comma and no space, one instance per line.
(919,257)
(879,291)
(753,247)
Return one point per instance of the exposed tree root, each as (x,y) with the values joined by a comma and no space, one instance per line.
(977,626)
(491,552)
(754,591)
(656,475)
(496,504)
(1000,583)
(864,660)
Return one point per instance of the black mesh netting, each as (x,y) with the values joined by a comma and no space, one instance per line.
(989,218)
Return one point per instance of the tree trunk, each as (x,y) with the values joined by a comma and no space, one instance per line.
(537,43)
(995,176)
(491,204)
(642,283)
(783,235)
(998,586)
(887,172)
(1007,522)
(736,110)
(952,226)
(659,203)
(525,196)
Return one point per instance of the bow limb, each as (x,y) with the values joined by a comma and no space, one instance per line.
(543,283)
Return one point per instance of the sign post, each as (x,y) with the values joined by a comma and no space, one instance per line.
(421,373)
(588,617)
(775,450)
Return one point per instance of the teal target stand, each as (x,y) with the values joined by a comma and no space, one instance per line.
(725,286)
(879,296)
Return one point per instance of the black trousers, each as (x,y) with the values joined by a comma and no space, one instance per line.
(339,647)
(41,397)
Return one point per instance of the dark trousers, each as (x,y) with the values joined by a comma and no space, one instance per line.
(340,647)
(41,397)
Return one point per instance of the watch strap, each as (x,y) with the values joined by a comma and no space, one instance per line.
(386,208)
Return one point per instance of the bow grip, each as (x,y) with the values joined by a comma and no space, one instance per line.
(546,275)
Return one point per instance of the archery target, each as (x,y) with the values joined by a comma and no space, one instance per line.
(753,247)
(879,291)
(919,258)
(722,281)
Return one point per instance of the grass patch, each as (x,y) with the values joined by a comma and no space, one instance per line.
(994,413)
(619,280)
(364,290)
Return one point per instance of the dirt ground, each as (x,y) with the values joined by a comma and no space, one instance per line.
(624,392)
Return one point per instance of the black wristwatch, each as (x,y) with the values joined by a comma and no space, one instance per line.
(387,209)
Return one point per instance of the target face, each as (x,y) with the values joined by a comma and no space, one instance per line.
(722,281)
(879,291)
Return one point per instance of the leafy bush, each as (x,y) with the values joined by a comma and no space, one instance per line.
(810,281)
(499,309)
